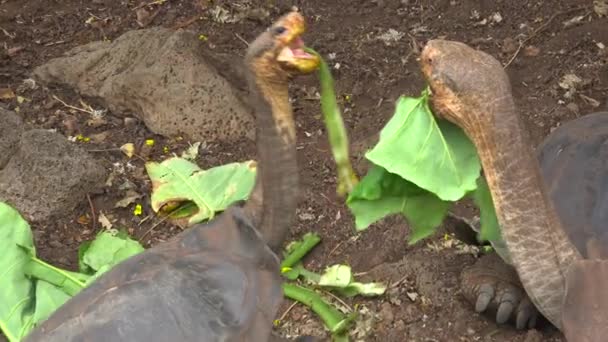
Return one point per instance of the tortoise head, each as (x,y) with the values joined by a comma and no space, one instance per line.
(467,85)
(280,49)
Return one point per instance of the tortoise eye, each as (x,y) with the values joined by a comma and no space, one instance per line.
(279,30)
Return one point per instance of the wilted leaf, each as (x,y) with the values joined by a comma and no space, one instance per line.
(128,149)
(105,222)
(6,94)
(600,7)
(191,152)
(130,197)
(435,155)
(212,190)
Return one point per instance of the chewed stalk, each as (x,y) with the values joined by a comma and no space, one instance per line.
(338,139)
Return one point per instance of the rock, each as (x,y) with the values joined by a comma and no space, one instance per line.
(165,77)
(509,45)
(48,175)
(386,313)
(11,127)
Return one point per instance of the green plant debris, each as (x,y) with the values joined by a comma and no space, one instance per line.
(336,131)
(178,180)
(336,322)
(337,278)
(31,289)
(298,249)
(341,279)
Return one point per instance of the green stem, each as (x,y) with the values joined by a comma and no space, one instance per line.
(309,275)
(338,139)
(331,317)
(309,241)
(67,281)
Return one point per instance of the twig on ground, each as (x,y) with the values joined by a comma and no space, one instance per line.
(241,39)
(287,311)
(74,107)
(186,23)
(8,34)
(92,212)
(152,228)
(339,300)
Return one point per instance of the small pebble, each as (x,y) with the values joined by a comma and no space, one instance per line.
(386,312)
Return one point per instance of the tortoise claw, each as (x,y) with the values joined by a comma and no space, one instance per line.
(494,289)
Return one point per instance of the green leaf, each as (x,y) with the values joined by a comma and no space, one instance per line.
(435,155)
(48,299)
(381,193)
(82,267)
(109,249)
(212,190)
(16,290)
(490,231)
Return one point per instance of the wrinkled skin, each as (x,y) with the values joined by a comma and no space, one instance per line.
(573,163)
(218,281)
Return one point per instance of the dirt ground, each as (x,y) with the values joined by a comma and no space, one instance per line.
(372,46)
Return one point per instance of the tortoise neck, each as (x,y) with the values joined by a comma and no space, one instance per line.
(538,245)
(273,201)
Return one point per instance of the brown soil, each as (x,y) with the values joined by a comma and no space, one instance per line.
(373,74)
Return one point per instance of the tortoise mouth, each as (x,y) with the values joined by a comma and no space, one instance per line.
(293,56)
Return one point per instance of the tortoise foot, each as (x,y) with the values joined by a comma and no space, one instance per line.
(494,289)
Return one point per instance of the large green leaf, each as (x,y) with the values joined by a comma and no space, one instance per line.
(16,290)
(381,193)
(433,154)
(213,190)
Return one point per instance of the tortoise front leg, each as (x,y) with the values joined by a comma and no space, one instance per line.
(493,288)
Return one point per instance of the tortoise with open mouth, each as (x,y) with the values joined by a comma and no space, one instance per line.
(218,281)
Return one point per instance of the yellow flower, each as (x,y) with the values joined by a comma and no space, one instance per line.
(150,142)
(137,211)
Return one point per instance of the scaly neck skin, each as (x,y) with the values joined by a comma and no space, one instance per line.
(273,201)
(539,248)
